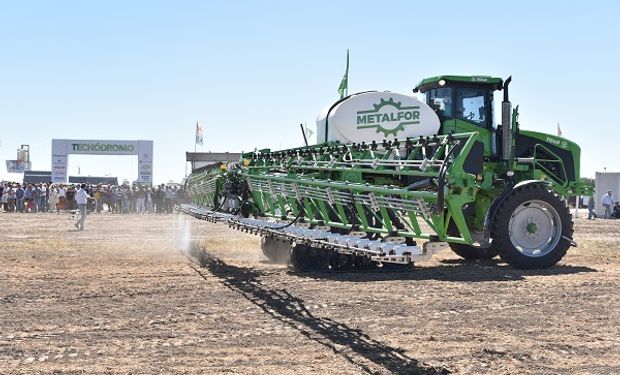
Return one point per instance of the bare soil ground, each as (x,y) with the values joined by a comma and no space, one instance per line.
(120,297)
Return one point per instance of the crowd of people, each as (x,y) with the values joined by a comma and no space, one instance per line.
(124,199)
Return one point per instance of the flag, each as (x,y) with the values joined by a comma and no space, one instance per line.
(344,84)
(559,130)
(198,134)
(309,132)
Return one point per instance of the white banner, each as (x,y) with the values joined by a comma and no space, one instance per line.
(145,162)
(59,169)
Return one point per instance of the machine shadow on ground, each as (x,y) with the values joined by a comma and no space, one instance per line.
(352,344)
(455,270)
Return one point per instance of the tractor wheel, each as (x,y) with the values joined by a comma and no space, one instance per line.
(467,251)
(276,250)
(472,252)
(305,258)
(532,228)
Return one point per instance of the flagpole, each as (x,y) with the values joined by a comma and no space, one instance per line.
(347,89)
(343,88)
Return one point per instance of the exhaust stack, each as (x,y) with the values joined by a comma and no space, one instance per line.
(506,123)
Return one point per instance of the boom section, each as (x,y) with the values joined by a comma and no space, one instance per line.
(411,188)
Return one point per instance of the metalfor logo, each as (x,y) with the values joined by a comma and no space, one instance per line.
(388,117)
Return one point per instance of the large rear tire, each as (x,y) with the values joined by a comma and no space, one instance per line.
(532,227)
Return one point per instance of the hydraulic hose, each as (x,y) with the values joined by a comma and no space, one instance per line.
(299,215)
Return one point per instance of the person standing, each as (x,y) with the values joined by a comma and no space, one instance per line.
(36,193)
(169,199)
(70,198)
(608,202)
(28,199)
(11,199)
(113,207)
(53,199)
(591,212)
(159,200)
(48,187)
(107,197)
(62,198)
(41,193)
(149,200)
(140,198)
(126,200)
(131,196)
(98,199)
(4,199)
(19,198)
(81,197)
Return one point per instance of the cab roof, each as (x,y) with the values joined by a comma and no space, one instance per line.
(492,83)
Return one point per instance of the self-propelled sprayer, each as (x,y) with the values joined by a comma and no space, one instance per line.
(392,178)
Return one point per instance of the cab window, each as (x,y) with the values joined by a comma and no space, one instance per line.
(441,101)
(471,106)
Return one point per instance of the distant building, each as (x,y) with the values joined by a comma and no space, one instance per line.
(37,177)
(44,177)
(204,159)
(604,182)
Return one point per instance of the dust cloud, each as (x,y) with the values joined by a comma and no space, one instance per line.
(182,235)
(192,236)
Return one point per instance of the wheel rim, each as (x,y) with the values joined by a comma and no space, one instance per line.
(535,228)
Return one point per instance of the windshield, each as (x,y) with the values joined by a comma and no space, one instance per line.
(441,101)
(468,104)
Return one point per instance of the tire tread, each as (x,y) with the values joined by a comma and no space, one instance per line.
(503,244)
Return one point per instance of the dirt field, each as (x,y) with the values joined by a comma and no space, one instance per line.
(121,297)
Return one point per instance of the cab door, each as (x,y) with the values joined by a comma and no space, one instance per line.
(471,111)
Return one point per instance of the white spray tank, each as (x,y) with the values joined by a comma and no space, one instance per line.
(374,116)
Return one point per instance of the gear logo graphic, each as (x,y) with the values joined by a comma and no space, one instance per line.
(388,117)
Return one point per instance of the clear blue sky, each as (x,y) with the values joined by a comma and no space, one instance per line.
(250,72)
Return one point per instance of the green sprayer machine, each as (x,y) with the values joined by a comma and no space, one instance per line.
(394,178)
